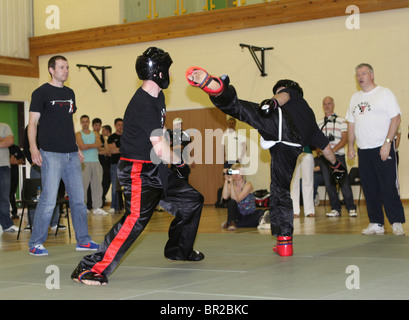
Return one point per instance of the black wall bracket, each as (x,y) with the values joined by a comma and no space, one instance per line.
(101,83)
(253,50)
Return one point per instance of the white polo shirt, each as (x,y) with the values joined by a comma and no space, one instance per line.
(335,129)
(371,112)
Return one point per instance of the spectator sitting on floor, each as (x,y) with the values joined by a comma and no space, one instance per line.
(241,208)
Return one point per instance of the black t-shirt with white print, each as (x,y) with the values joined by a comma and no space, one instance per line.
(144,117)
(56,128)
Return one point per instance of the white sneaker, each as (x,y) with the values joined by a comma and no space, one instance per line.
(13,228)
(374,228)
(397,229)
(264,226)
(352,213)
(333,213)
(264,222)
(99,211)
(111,210)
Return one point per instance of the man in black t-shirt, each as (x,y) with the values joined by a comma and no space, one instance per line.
(104,156)
(51,109)
(146,180)
(286,124)
(114,143)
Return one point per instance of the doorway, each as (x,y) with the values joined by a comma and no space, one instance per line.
(12,113)
(207,178)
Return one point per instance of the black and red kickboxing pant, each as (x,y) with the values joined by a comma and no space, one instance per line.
(283,163)
(283,156)
(144,185)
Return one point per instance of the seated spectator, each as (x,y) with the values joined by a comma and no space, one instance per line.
(241,208)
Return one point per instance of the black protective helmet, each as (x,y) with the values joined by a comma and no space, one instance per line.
(153,62)
(288,84)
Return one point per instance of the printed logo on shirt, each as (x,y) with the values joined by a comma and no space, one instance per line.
(163,117)
(361,108)
(64,103)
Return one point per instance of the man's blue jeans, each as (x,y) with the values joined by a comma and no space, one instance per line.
(34,174)
(5,220)
(57,166)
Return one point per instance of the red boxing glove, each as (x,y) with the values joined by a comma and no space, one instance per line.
(338,170)
(205,82)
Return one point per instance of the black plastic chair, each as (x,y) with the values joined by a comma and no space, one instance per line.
(355,180)
(29,199)
(63,201)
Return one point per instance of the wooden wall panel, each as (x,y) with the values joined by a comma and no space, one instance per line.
(19,67)
(206,178)
(265,14)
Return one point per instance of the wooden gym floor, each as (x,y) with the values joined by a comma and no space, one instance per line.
(239,265)
(210,222)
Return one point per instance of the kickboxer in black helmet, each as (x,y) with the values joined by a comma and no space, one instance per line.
(286,124)
(146,179)
(154,65)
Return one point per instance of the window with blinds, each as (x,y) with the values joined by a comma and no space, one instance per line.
(16,26)
(134,10)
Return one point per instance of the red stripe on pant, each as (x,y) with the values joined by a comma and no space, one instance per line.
(130,221)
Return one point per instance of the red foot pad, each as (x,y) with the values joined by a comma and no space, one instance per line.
(206,81)
(284,246)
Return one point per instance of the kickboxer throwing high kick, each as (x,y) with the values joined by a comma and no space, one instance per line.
(146,180)
(286,124)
